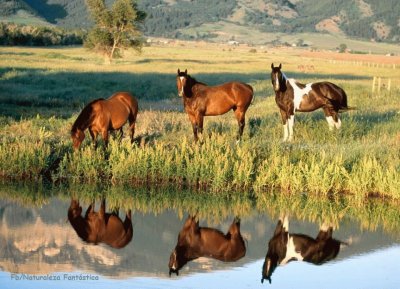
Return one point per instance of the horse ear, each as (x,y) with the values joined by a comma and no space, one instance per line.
(185,71)
(179,71)
(272,65)
(280,65)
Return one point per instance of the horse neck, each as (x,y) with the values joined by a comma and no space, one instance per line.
(80,226)
(283,83)
(190,88)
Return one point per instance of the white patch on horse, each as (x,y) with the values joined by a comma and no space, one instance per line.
(324,227)
(299,93)
(290,127)
(291,252)
(181,78)
(331,122)
(338,124)
(285,131)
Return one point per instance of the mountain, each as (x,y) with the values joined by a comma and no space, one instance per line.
(377,20)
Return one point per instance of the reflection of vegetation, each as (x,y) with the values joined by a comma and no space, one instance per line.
(370,214)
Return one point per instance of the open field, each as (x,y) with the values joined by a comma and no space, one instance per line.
(43,90)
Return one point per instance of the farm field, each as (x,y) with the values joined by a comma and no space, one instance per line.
(43,90)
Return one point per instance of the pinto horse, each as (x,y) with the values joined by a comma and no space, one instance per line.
(100,227)
(285,247)
(195,242)
(103,115)
(292,96)
(202,100)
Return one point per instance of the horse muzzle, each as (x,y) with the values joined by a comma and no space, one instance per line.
(171,270)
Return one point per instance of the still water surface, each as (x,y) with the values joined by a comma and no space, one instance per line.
(38,242)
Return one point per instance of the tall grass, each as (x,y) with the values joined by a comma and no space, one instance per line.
(362,159)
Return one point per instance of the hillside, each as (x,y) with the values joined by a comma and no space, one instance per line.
(376,20)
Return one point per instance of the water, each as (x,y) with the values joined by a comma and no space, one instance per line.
(40,249)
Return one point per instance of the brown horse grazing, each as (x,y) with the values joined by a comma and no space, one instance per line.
(201,100)
(100,227)
(292,96)
(195,242)
(285,247)
(101,116)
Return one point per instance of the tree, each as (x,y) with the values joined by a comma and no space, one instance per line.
(342,48)
(115,29)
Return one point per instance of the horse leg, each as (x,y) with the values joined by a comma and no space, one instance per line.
(285,123)
(104,135)
(194,126)
(93,135)
(240,116)
(102,210)
(332,118)
(199,122)
(290,127)
(132,124)
(89,210)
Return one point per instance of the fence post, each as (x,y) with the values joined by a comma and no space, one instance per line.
(373,84)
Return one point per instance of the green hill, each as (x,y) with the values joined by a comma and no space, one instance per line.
(376,20)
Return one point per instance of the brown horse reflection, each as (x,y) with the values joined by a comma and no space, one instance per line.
(195,242)
(285,247)
(202,100)
(103,115)
(100,227)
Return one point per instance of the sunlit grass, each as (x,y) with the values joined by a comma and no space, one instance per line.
(362,159)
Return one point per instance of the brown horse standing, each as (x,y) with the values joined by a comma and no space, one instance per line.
(195,242)
(100,227)
(101,116)
(201,100)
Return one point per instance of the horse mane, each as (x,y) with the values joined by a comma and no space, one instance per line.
(85,117)
(191,81)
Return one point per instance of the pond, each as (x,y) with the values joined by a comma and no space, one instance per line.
(41,249)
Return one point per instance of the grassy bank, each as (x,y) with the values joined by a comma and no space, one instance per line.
(360,160)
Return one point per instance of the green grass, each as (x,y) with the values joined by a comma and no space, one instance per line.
(43,90)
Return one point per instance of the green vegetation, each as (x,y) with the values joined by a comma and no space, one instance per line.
(26,35)
(360,160)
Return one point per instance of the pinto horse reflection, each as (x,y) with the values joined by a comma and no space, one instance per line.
(195,242)
(103,115)
(201,100)
(292,96)
(100,227)
(285,247)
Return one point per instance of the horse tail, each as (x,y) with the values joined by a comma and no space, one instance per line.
(343,105)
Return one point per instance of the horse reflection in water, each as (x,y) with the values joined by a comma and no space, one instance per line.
(285,247)
(100,227)
(195,242)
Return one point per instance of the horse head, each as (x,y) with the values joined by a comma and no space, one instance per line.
(277,78)
(181,79)
(276,250)
(77,136)
(186,238)
(74,209)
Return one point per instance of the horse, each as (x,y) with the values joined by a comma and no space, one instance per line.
(100,227)
(195,242)
(285,247)
(200,100)
(292,96)
(103,115)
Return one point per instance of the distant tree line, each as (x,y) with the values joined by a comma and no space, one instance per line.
(26,35)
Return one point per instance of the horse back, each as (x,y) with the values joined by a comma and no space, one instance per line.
(332,92)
